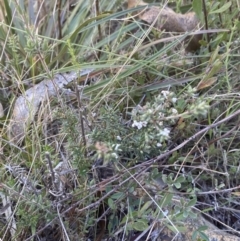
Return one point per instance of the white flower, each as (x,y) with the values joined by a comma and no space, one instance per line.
(161,115)
(174,111)
(114,155)
(165,132)
(159,144)
(165,93)
(119,138)
(116,148)
(139,124)
(174,100)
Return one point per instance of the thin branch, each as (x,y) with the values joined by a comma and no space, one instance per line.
(206,23)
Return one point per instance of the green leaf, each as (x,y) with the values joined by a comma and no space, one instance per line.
(8,16)
(111,203)
(198,232)
(177,229)
(203,236)
(197,7)
(177,185)
(192,202)
(185,213)
(194,235)
(144,208)
(214,69)
(166,200)
(180,179)
(164,178)
(117,195)
(180,216)
(214,55)
(202,228)
(223,8)
(140,225)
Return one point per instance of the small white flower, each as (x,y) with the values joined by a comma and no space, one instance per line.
(174,111)
(165,132)
(117,147)
(174,100)
(165,93)
(119,138)
(161,115)
(159,144)
(149,111)
(139,124)
(114,155)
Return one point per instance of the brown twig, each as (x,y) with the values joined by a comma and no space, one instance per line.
(99,27)
(59,20)
(80,108)
(206,23)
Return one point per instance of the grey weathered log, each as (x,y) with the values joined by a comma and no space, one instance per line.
(26,105)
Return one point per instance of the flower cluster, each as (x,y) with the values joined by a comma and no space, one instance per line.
(154,120)
(150,121)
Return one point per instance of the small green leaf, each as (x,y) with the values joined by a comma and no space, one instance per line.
(140,225)
(144,208)
(124,220)
(194,235)
(223,8)
(214,55)
(164,178)
(180,216)
(111,203)
(193,215)
(214,69)
(180,179)
(166,200)
(202,228)
(117,195)
(203,236)
(185,213)
(197,7)
(177,185)
(192,202)
(177,229)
